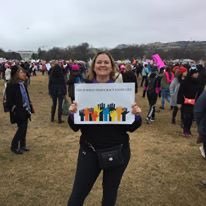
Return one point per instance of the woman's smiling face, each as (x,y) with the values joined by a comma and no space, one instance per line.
(103,66)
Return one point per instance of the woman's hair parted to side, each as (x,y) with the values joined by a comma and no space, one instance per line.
(14,73)
(91,73)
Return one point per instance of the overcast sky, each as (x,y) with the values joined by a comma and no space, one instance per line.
(28,25)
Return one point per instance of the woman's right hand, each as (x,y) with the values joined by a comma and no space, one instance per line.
(73,107)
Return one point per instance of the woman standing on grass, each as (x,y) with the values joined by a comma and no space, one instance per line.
(200,117)
(20,108)
(166,80)
(57,91)
(189,91)
(180,74)
(95,137)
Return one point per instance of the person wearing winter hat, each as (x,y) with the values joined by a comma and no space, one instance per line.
(75,67)
(182,70)
(20,108)
(180,74)
(166,80)
(193,70)
(74,77)
(189,91)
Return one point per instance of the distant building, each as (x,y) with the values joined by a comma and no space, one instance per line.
(25,55)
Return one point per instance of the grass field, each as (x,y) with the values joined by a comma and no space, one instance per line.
(165,169)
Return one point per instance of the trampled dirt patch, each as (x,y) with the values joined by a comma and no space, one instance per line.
(165,168)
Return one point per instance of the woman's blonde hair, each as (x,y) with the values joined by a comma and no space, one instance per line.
(91,72)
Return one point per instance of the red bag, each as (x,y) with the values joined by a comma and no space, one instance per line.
(189,101)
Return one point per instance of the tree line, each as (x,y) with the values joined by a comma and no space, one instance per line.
(84,52)
(9,55)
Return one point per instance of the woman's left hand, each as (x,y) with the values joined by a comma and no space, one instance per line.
(136,110)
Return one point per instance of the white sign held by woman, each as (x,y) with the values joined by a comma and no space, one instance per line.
(104,103)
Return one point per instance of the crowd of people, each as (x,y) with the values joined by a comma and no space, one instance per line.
(181,86)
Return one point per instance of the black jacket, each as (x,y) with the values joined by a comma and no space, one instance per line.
(57,84)
(74,77)
(200,114)
(104,136)
(14,101)
(189,88)
(129,76)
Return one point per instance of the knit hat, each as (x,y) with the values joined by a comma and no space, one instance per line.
(193,69)
(122,68)
(182,70)
(75,67)
(176,68)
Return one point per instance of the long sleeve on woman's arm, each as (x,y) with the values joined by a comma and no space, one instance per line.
(136,124)
(73,126)
(180,95)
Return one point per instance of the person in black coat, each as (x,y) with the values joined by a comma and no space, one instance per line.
(189,91)
(57,90)
(200,117)
(129,76)
(151,85)
(75,76)
(20,108)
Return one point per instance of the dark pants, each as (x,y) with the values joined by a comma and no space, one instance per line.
(174,113)
(20,136)
(54,105)
(143,80)
(181,116)
(187,119)
(86,174)
(204,145)
(152,99)
(165,95)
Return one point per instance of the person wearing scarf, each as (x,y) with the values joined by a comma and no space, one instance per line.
(20,108)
